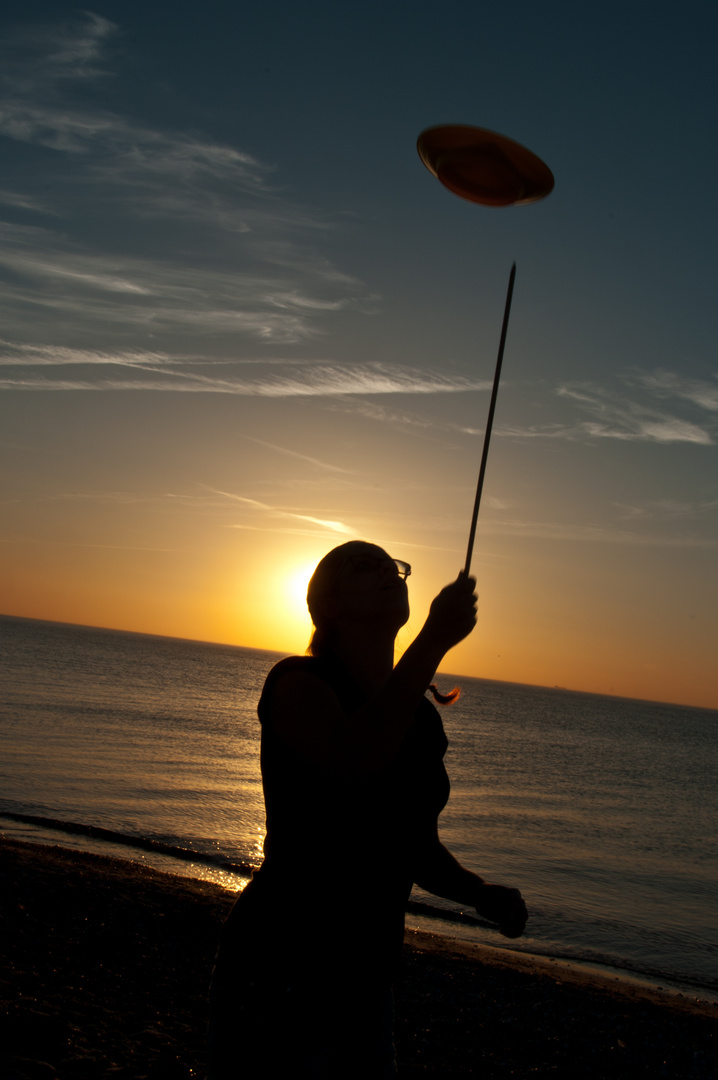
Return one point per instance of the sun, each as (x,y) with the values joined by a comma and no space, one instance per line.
(296,584)
(292,587)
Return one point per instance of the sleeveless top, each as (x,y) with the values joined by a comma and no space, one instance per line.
(340,849)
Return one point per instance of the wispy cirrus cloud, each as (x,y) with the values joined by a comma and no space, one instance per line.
(642,416)
(216,247)
(668,510)
(300,457)
(50,280)
(274,512)
(608,533)
(253,513)
(662,523)
(615,417)
(45,55)
(667,384)
(659,407)
(40,62)
(23,354)
(158,371)
(421,426)
(26,202)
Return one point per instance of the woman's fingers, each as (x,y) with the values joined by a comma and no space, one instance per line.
(504,906)
(458,597)
(452,615)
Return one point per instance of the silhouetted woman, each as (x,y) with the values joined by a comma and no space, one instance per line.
(354,782)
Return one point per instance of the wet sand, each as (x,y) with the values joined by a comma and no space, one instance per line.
(104,966)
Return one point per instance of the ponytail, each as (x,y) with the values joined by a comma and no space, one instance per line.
(445,699)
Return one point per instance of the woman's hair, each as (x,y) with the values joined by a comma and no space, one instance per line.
(321,584)
(445,699)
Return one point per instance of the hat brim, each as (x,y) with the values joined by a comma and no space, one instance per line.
(483,166)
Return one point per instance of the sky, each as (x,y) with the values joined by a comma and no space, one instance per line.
(242,323)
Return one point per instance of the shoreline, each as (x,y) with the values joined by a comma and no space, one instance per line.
(570,972)
(106,965)
(163,859)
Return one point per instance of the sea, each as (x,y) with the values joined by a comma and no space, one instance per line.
(602,810)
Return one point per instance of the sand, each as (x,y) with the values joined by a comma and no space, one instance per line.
(105,966)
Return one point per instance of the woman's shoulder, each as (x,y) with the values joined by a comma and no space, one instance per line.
(293,670)
(308,664)
(301,713)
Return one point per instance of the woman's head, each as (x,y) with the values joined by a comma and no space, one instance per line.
(356,581)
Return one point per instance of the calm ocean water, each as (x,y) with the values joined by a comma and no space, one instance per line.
(601,810)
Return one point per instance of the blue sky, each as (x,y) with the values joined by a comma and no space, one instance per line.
(241,322)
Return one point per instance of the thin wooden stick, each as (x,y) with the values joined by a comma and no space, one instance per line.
(490,420)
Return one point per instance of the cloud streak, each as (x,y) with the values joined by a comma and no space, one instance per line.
(300,457)
(613,415)
(280,512)
(666,384)
(238,256)
(41,55)
(618,418)
(669,510)
(158,371)
(50,278)
(596,534)
(419,426)
(262,514)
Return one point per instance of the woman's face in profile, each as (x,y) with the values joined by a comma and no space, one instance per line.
(368,585)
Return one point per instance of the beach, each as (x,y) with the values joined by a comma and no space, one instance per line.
(105,966)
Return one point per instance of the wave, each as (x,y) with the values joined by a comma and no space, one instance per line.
(159,847)
(144,843)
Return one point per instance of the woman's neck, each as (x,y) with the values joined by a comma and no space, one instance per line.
(367,655)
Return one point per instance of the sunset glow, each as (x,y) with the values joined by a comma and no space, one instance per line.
(243,324)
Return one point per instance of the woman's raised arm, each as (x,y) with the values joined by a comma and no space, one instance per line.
(306,713)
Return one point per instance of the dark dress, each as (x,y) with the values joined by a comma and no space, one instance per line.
(312,945)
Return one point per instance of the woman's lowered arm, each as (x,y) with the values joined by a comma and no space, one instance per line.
(438,872)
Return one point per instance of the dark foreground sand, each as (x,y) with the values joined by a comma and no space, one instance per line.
(104,969)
